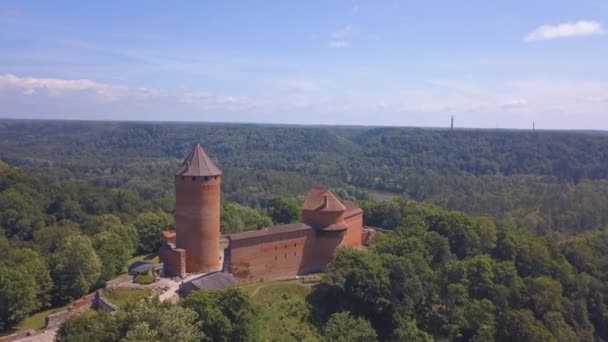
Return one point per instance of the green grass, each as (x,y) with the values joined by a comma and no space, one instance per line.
(37,321)
(144,279)
(270,292)
(284,309)
(122,296)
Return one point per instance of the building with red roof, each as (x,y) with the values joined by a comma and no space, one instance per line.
(197,246)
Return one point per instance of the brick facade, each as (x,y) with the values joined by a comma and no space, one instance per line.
(196,246)
(197,221)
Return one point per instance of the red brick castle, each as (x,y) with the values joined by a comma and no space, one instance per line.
(197,246)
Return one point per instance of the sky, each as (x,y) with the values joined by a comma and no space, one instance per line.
(489,64)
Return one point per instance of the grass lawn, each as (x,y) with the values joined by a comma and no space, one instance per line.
(285,311)
(37,321)
(269,292)
(121,296)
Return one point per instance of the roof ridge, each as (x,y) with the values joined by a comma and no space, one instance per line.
(198,163)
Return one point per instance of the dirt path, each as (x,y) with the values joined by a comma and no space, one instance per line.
(174,287)
(43,336)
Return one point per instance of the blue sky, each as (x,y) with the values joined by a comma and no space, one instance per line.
(408,63)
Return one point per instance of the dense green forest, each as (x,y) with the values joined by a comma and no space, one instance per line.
(498,235)
(441,275)
(549,182)
(59,240)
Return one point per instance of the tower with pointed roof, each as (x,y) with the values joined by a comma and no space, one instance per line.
(197,212)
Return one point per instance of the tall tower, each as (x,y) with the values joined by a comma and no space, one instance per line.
(197,211)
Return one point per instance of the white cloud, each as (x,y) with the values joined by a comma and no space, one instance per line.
(564,30)
(339,37)
(31,97)
(57,87)
(338,44)
(343,32)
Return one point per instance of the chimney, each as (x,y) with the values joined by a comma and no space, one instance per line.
(324,201)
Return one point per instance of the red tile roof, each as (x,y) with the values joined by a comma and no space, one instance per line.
(198,163)
(169,236)
(322,199)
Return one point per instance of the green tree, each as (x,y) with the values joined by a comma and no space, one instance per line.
(227,315)
(113,253)
(520,325)
(113,224)
(284,210)
(75,268)
(31,263)
(18,295)
(141,332)
(149,227)
(343,327)
(407,330)
(237,218)
(362,283)
(96,326)
(171,323)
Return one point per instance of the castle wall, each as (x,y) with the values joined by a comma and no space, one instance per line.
(274,255)
(320,251)
(174,260)
(320,219)
(282,254)
(197,221)
(354,233)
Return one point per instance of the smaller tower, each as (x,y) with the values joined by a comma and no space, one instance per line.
(452,123)
(322,210)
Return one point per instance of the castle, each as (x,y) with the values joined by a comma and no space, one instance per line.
(197,246)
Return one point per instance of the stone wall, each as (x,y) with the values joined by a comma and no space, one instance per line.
(101,303)
(77,307)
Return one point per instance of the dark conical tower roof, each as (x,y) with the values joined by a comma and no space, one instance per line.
(198,163)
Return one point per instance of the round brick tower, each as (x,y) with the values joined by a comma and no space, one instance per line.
(197,212)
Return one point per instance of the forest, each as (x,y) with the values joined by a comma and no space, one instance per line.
(497,234)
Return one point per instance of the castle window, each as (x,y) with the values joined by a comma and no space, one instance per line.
(285,255)
(214,177)
(193,179)
(275,258)
(294,253)
(183,177)
(206,178)
(294,244)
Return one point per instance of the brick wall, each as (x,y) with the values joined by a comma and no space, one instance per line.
(174,260)
(283,254)
(354,232)
(271,256)
(197,221)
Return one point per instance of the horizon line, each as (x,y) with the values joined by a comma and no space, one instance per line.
(306,125)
